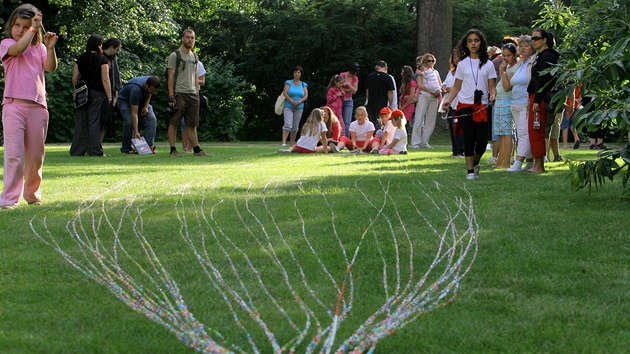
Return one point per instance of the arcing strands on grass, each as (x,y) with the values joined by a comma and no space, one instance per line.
(255,262)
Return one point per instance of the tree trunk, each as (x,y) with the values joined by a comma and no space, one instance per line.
(434,33)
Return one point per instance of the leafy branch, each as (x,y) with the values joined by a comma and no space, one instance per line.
(588,173)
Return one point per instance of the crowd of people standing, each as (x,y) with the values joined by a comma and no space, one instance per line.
(517,85)
(505,95)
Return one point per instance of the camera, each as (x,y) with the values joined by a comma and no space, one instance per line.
(478,95)
(171,110)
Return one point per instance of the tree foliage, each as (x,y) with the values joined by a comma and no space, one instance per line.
(250,47)
(594,53)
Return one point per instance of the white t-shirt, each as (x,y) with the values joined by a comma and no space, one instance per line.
(430,81)
(310,141)
(391,130)
(394,105)
(362,130)
(201,71)
(401,135)
(474,78)
(449,82)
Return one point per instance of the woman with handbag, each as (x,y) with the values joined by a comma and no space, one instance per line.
(93,68)
(26,52)
(296,93)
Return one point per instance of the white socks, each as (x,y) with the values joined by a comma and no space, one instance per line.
(516,167)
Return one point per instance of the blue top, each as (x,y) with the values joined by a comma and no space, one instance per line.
(296,93)
(519,84)
(133,91)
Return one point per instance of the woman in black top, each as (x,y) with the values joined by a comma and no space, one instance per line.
(91,67)
(540,85)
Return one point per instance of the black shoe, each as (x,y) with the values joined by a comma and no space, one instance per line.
(576,145)
(594,147)
(602,147)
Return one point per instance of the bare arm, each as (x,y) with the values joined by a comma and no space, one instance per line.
(105,80)
(134,121)
(170,85)
(75,75)
(451,96)
(50,39)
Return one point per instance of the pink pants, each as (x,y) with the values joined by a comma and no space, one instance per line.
(25,127)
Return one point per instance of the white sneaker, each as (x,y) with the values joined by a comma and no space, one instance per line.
(476,170)
(284,151)
(285,144)
(374,151)
(489,147)
(492,160)
(333,147)
(471,176)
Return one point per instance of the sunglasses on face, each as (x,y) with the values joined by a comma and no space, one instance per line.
(536,38)
(430,60)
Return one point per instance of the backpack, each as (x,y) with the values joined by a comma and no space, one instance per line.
(179,62)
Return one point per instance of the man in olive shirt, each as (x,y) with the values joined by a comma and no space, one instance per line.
(183,97)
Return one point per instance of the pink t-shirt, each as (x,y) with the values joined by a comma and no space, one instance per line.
(355,80)
(24,73)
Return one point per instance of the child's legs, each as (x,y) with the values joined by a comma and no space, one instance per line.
(13,123)
(347,108)
(34,151)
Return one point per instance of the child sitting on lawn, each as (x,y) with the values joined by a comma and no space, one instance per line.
(313,132)
(361,133)
(398,143)
(385,135)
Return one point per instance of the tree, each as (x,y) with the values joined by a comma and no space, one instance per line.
(434,30)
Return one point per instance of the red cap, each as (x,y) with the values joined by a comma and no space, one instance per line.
(397,113)
(385,110)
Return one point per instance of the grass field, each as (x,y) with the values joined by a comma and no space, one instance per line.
(551,274)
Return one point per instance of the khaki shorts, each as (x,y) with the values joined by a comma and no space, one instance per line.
(187,107)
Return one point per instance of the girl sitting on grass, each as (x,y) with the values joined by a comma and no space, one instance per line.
(333,125)
(361,133)
(313,132)
(398,144)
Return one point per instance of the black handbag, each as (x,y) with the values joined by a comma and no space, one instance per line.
(81,94)
(203,101)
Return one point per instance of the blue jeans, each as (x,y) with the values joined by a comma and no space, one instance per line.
(148,122)
(346,112)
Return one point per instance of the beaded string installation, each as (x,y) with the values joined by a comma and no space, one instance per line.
(271,272)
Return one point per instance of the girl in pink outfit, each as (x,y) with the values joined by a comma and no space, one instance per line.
(334,96)
(25,53)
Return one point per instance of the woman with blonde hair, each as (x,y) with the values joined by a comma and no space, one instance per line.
(518,86)
(430,86)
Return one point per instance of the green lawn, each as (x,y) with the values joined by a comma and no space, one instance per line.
(551,273)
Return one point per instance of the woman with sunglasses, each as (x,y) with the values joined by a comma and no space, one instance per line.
(430,86)
(540,85)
